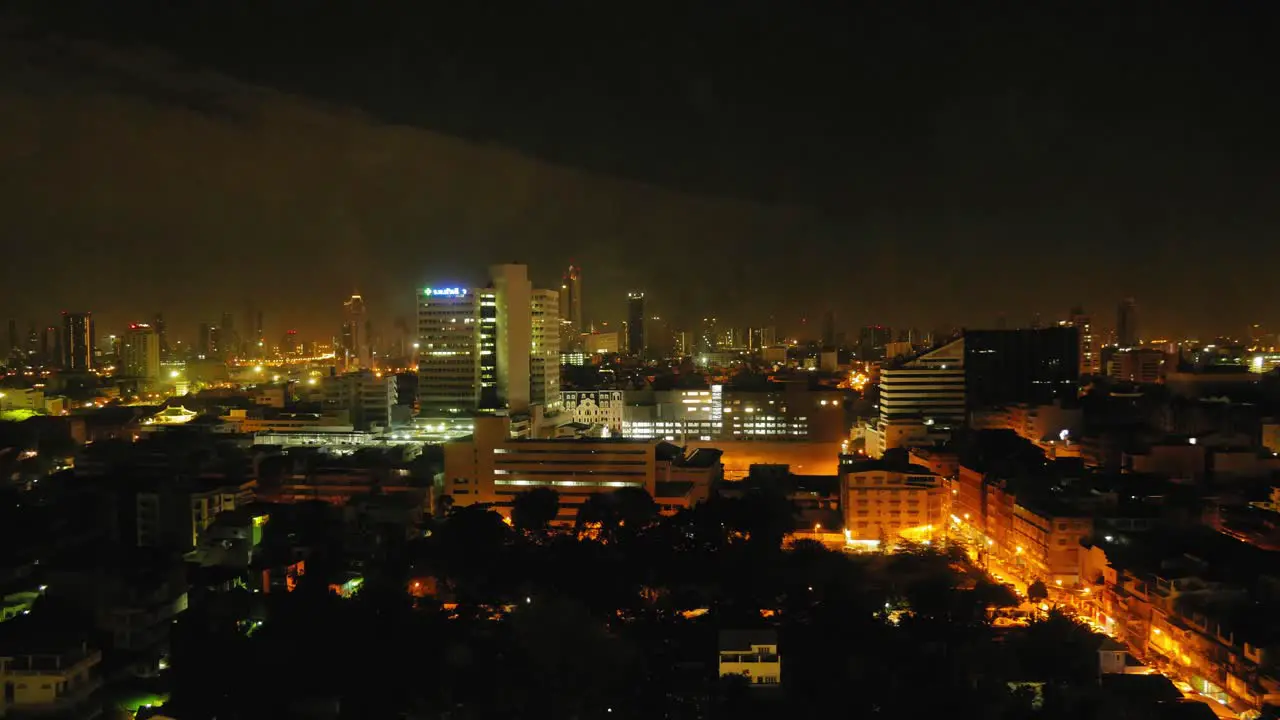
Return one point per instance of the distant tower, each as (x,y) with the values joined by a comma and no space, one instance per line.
(829,329)
(158,323)
(635,324)
(140,353)
(77,342)
(206,345)
(355,340)
(571,309)
(1127,323)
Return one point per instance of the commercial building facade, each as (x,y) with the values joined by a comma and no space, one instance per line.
(486,349)
(492,468)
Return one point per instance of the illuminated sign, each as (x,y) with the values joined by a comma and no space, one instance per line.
(444,292)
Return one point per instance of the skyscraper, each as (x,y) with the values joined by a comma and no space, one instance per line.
(1127,323)
(829,329)
(544,360)
(872,340)
(205,344)
(1089,360)
(708,337)
(488,348)
(77,342)
(140,353)
(635,324)
(571,309)
(158,324)
(354,350)
(51,346)
(13,345)
(228,340)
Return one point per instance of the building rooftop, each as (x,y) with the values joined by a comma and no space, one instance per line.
(869,465)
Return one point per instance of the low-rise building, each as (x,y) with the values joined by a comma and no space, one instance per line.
(492,468)
(45,672)
(886,500)
(752,654)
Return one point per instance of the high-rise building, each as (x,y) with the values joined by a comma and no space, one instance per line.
(1003,367)
(228,340)
(829,329)
(14,345)
(544,358)
(1089,361)
(708,337)
(205,345)
(635,324)
(77,342)
(289,344)
(158,324)
(488,348)
(929,389)
(571,310)
(51,346)
(1127,323)
(872,340)
(354,349)
(140,353)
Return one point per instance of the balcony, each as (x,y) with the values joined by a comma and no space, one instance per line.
(67,664)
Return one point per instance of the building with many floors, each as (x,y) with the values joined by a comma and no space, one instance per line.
(489,348)
(885,500)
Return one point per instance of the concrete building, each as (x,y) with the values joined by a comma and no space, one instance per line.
(1137,365)
(884,500)
(544,356)
(1127,323)
(367,397)
(1046,536)
(140,353)
(45,673)
(353,350)
(920,398)
(752,654)
(77,342)
(601,343)
(488,348)
(1090,362)
(571,325)
(636,338)
(492,468)
(173,515)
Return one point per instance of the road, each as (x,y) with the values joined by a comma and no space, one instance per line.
(1066,602)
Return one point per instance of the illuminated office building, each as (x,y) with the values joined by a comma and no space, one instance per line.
(488,348)
(140,353)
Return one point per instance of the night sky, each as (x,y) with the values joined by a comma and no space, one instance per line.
(901,163)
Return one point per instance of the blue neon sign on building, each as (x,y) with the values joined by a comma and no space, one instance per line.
(444,292)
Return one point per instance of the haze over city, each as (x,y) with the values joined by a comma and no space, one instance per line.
(902,167)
